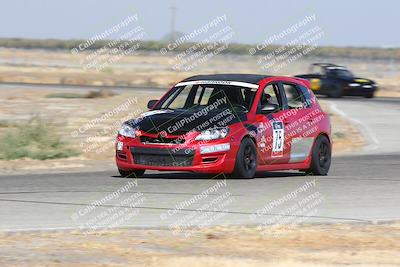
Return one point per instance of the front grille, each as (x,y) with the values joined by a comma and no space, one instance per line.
(152,160)
(157,131)
(162,157)
(161,140)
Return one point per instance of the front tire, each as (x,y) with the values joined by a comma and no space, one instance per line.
(131,173)
(246,160)
(320,157)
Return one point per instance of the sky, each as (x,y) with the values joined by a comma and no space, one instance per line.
(344,23)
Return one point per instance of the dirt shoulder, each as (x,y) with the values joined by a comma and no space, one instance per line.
(307,245)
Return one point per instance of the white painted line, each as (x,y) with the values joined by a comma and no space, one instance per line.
(373,142)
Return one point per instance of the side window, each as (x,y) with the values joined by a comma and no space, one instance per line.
(306,96)
(248,96)
(294,96)
(271,95)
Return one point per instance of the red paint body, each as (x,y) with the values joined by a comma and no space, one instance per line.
(307,118)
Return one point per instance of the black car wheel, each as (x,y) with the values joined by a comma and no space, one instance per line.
(320,157)
(131,173)
(246,160)
(369,95)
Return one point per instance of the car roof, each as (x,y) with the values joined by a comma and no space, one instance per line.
(329,65)
(324,64)
(248,78)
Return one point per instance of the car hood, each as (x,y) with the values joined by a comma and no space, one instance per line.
(178,122)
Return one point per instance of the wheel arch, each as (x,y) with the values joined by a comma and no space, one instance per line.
(311,163)
(324,134)
(251,132)
(251,137)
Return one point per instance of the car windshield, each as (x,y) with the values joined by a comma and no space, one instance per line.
(194,96)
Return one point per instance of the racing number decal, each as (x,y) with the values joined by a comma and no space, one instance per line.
(278,139)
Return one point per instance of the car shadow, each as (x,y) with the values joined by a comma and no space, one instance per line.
(200,176)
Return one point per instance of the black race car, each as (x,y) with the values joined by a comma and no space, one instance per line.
(336,81)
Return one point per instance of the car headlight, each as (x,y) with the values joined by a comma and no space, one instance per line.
(213,134)
(127,131)
(354,84)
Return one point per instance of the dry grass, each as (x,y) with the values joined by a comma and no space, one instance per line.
(35,140)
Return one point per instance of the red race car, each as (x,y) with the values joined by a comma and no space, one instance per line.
(234,124)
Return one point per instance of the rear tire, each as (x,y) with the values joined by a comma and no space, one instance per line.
(131,173)
(320,157)
(246,160)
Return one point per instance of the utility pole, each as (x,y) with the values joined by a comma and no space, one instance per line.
(173,13)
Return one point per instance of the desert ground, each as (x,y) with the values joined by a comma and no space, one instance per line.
(301,245)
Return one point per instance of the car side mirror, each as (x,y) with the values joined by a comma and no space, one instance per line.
(269,108)
(151,103)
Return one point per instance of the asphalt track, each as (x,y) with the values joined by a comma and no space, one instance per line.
(360,188)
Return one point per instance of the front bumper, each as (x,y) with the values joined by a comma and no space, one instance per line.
(361,90)
(219,157)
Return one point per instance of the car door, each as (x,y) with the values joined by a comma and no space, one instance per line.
(297,121)
(271,128)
